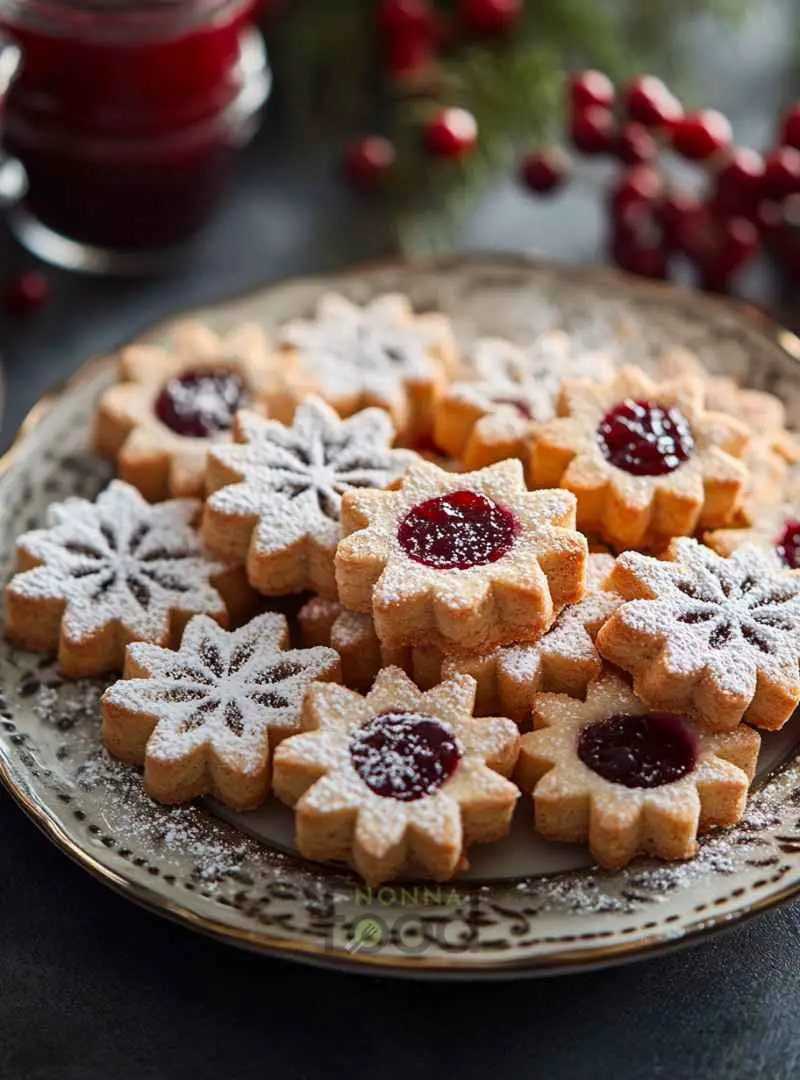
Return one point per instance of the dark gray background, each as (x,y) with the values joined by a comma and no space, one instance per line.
(93,988)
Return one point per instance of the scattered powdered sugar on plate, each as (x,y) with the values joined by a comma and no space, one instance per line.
(170,833)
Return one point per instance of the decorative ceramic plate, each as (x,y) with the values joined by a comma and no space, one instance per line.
(525,906)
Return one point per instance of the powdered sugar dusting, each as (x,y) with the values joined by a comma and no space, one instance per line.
(169,834)
(530,376)
(293,477)
(228,690)
(739,614)
(120,561)
(541,528)
(368,353)
(399,758)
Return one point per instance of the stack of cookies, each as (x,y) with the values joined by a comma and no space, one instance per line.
(521,570)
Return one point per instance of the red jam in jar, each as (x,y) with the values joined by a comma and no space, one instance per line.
(125,115)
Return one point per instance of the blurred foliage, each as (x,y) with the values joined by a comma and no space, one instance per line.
(329,61)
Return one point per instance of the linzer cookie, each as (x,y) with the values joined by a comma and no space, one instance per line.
(631,781)
(775,532)
(645,460)
(717,638)
(463,562)
(172,402)
(494,414)
(276,491)
(381,354)
(326,622)
(762,413)
(118,570)
(203,718)
(563,660)
(400,781)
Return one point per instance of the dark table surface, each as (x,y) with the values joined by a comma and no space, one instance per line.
(93,988)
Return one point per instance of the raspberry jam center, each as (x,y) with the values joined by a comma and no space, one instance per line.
(457,531)
(788,545)
(200,403)
(639,751)
(645,439)
(404,756)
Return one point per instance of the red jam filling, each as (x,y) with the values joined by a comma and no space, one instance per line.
(201,403)
(645,439)
(639,751)
(788,545)
(404,756)
(457,531)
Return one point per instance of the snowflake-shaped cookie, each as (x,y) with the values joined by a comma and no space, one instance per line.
(400,781)
(173,400)
(563,660)
(277,491)
(326,622)
(107,573)
(716,637)
(203,718)
(494,414)
(628,780)
(463,562)
(645,460)
(380,354)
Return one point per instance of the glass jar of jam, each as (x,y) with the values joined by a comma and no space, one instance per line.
(125,117)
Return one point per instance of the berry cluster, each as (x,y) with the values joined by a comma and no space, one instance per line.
(748,201)
(413,34)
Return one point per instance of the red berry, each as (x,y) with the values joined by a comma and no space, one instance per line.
(409,53)
(369,161)
(648,101)
(697,233)
(26,293)
(592,130)
(591,88)
(786,237)
(544,170)
(738,184)
(673,210)
(790,128)
(782,173)
(715,277)
(490,17)
(738,241)
(720,247)
(637,222)
(768,215)
(452,133)
(634,144)
(403,17)
(639,184)
(646,260)
(699,135)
